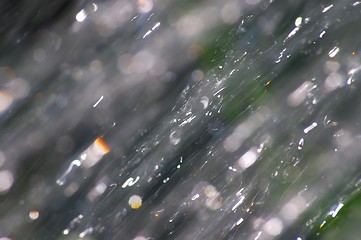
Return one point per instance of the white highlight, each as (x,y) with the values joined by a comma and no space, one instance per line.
(100,99)
(130,182)
(309,128)
(81,16)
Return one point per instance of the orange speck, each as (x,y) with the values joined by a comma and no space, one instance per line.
(102,145)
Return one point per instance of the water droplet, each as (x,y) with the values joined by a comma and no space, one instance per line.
(140,238)
(205,101)
(273,227)
(174,137)
(80,17)
(333,52)
(6,180)
(135,202)
(248,159)
(33,215)
(298,21)
(300,144)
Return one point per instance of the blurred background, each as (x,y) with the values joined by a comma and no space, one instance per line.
(153,119)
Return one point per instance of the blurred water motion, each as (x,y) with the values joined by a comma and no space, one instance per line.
(155,119)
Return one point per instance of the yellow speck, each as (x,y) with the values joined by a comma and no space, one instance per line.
(157,215)
(353,53)
(268,83)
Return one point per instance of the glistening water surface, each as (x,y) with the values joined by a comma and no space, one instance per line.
(154,119)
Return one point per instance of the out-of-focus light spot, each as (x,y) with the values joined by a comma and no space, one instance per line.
(230,12)
(327,8)
(7,73)
(245,129)
(81,16)
(94,152)
(101,146)
(248,159)
(298,238)
(343,138)
(300,94)
(190,26)
(145,6)
(2,158)
(5,101)
(210,191)
(333,52)
(214,203)
(197,75)
(39,55)
(36,139)
(96,66)
(143,62)
(298,21)
(95,7)
(205,101)
(125,63)
(66,231)
(6,181)
(331,67)
(333,81)
(194,51)
(18,88)
(135,202)
(292,209)
(253,2)
(213,199)
(86,232)
(33,215)
(273,227)
(71,189)
(140,238)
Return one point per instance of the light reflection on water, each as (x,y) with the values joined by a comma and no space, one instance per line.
(155,120)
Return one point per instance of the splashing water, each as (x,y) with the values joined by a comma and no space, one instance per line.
(167,120)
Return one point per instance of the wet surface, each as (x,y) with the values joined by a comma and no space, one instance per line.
(180,120)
